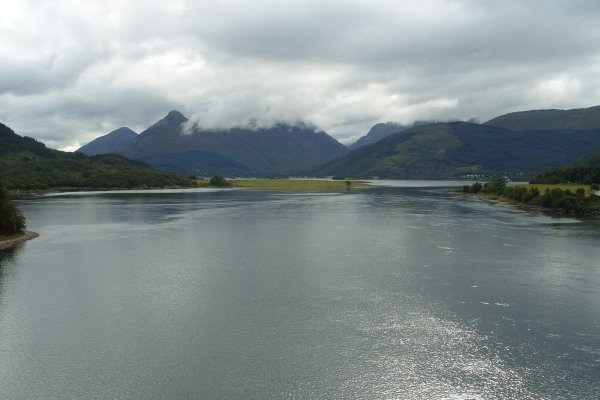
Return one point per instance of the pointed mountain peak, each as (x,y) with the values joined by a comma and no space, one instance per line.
(123,131)
(171,124)
(174,118)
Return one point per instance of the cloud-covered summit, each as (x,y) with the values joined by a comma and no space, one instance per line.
(74,70)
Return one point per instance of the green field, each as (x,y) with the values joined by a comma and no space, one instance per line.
(291,184)
(563,186)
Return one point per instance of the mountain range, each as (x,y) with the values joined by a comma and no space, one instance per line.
(172,144)
(519,145)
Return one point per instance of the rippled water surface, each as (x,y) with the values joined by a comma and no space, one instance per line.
(387,293)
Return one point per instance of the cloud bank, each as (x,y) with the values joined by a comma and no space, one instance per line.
(74,70)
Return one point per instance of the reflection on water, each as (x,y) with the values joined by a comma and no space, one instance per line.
(7,255)
(392,292)
(6,260)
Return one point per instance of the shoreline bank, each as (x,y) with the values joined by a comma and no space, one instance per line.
(27,235)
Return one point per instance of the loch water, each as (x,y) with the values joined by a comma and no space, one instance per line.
(391,292)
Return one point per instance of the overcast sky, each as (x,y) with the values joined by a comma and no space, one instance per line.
(72,70)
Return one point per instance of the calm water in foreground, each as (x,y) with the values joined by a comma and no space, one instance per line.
(388,293)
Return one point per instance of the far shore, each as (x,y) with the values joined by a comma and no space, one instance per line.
(66,189)
(247,183)
(12,241)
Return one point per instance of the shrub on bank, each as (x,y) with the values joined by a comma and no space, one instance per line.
(219,181)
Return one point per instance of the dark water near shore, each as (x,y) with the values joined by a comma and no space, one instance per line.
(389,293)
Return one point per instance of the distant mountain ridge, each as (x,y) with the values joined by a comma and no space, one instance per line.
(577,119)
(383,130)
(277,150)
(376,133)
(108,143)
(462,149)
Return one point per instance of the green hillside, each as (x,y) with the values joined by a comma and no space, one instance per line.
(576,119)
(27,164)
(460,149)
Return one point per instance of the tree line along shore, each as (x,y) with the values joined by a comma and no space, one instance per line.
(578,200)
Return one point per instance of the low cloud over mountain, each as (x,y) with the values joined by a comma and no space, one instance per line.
(71,72)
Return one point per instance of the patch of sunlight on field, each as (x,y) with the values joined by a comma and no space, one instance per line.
(290,184)
(298,184)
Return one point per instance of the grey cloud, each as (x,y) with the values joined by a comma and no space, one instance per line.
(75,70)
(53,72)
(401,33)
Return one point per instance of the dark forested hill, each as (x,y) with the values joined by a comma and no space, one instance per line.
(280,149)
(585,170)
(11,143)
(108,143)
(28,164)
(576,119)
(459,149)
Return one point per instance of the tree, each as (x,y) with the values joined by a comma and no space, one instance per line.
(495,186)
(219,181)
(12,220)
